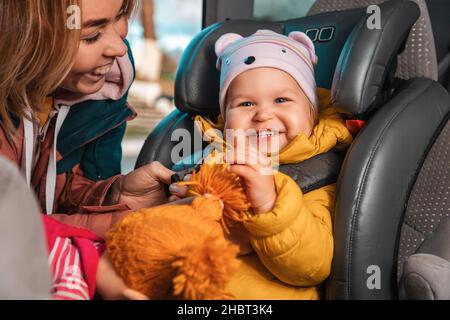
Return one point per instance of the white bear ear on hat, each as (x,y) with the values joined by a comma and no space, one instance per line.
(222,43)
(303,39)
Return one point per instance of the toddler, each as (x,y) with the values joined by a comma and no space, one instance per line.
(268,91)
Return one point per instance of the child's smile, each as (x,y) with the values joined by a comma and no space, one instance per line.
(270,107)
(267,140)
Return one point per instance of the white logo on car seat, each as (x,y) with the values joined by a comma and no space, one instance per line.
(324,34)
(374,21)
(374,281)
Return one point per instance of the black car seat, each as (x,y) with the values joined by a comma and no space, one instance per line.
(384,208)
(440,22)
(393,192)
(427,52)
(381,166)
(419,57)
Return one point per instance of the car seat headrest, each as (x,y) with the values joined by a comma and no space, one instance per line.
(197,80)
(367,65)
(419,59)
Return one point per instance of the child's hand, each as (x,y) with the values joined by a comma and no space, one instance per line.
(110,285)
(255,170)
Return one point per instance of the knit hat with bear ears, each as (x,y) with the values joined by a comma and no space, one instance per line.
(293,54)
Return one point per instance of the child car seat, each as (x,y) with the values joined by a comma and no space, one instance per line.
(392,195)
(404,120)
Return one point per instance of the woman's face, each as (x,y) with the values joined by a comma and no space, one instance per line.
(104,27)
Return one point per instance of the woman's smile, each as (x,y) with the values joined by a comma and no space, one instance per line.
(102,71)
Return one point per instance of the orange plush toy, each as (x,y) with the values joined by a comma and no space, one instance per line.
(179,251)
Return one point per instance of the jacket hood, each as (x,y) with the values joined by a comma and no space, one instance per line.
(92,116)
(118,81)
(329,133)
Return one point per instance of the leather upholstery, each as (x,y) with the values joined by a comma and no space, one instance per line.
(419,57)
(367,65)
(375,182)
(316,172)
(159,144)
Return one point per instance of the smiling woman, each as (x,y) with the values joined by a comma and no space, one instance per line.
(63,109)
(63,114)
(39,56)
(104,27)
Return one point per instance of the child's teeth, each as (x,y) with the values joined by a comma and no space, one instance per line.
(266,134)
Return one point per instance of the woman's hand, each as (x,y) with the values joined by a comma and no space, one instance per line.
(179,192)
(144,187)
(256,173)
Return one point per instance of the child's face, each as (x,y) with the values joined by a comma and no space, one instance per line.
(268,99)
(104,27)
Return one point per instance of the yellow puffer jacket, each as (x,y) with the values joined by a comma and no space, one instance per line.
(293,244)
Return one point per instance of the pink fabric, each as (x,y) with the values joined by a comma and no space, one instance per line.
(68,282)
(294,54)
(84,243)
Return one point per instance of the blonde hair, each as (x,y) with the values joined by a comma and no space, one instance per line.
(37,51)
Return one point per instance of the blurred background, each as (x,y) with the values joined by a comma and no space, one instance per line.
(159,33)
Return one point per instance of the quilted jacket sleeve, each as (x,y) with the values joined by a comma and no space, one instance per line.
(294,241)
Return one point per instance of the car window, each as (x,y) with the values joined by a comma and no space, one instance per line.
(270,10)
(159,33)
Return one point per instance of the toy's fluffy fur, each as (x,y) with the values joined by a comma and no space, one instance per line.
(179,251)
